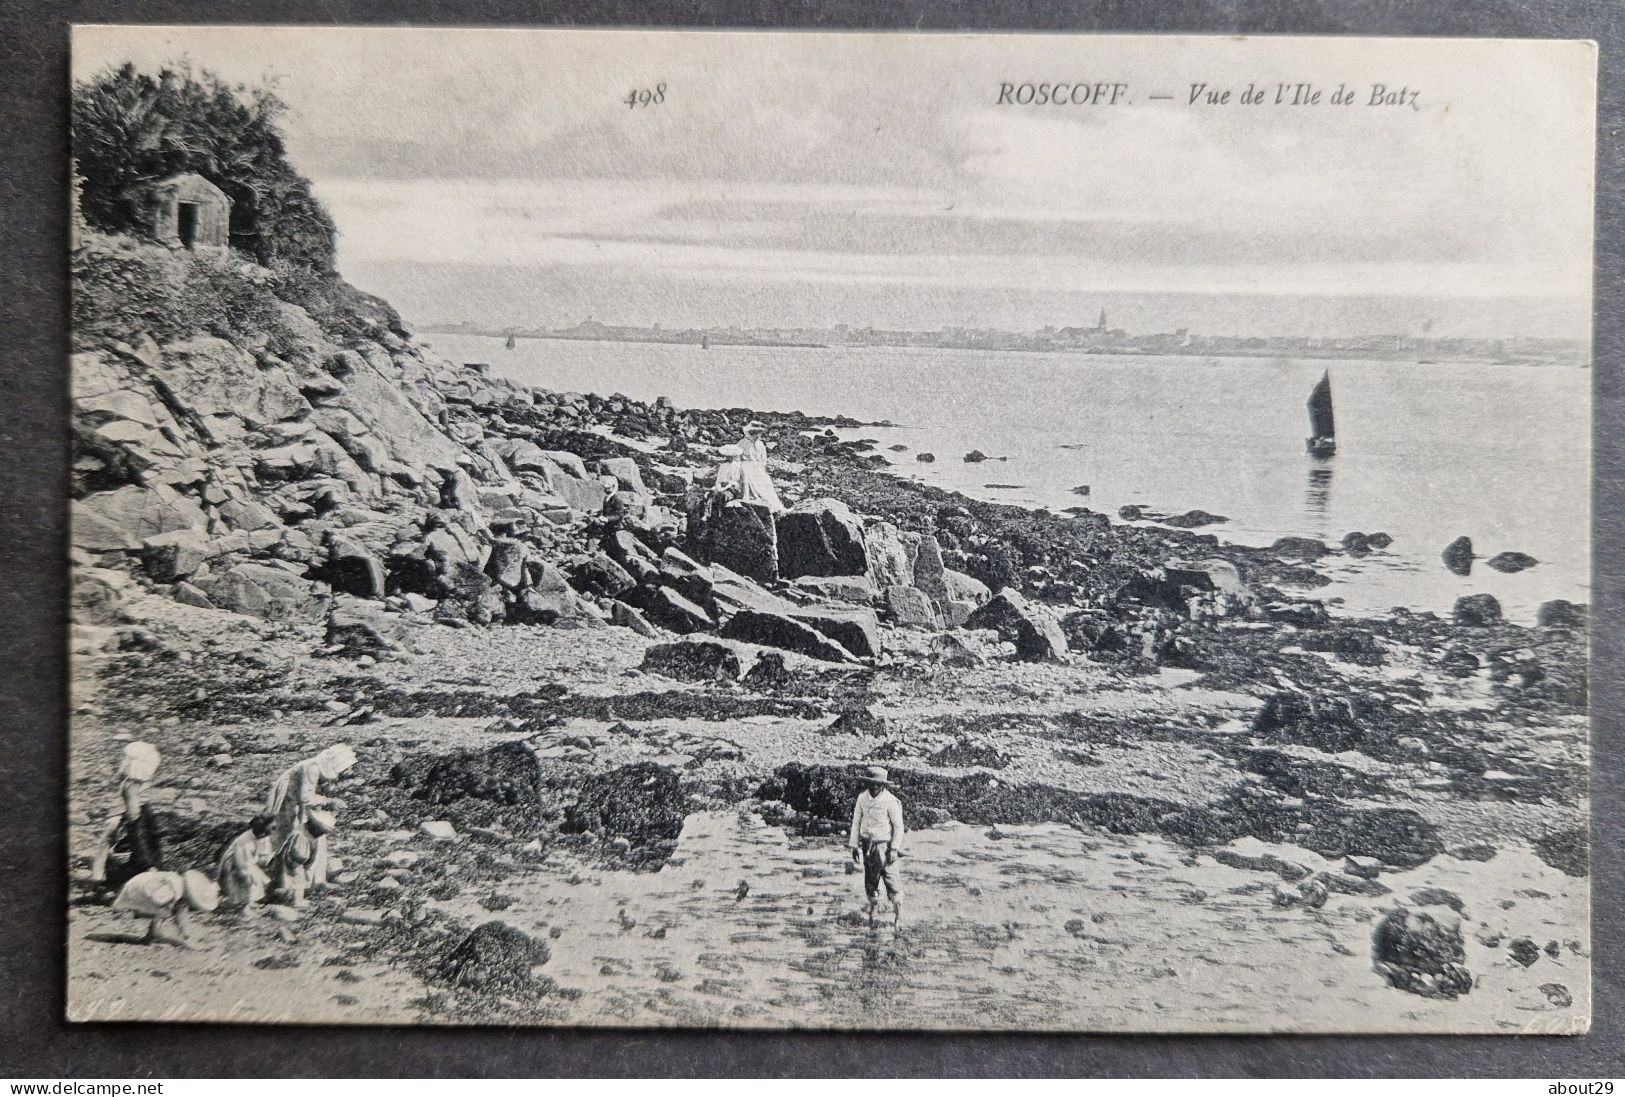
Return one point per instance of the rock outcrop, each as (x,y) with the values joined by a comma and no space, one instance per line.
(820,537)
(1034,633)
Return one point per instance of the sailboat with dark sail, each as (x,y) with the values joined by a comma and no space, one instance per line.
(1322,440)
(511,341)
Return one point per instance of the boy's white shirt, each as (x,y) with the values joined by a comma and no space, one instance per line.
(877,818)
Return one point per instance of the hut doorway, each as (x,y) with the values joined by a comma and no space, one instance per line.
(186,223)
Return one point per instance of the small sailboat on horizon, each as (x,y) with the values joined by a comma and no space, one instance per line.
(1322,440)
(511,343)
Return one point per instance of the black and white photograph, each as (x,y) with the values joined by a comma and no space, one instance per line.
(877,531)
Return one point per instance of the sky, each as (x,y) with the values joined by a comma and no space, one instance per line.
(798,178)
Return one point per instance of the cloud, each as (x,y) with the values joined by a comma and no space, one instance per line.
(817,159)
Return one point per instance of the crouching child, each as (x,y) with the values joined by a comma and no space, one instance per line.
(241,871)
(165,898)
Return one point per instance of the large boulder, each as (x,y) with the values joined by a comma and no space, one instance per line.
(965,588)
(624,615)
(548,599)
(911,608)
(364,628)
(855,589)
(853,627)
(583,493)
(891,557)
(247,514)
(731,591)
(1299,548)
(104,391)
(1458,556)
(506,564)
(738,535)
(173,556)
(1477,610)
(669,609)
(124,518)
(777,630)
(633,555)
(353,569)
(929,573)
(692,579)
(820,537)
(600,574)
(626,474)
(266,591)
(1035,634)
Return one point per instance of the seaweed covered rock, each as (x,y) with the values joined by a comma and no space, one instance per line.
(477,787)
(1458,556)
(1511,561)
(971,752)
(643,803)
(1420,953)
(1330,723)
(1477,610)
(1561,613)
(694,661)
(496,959)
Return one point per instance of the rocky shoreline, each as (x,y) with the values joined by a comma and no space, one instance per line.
(572,669)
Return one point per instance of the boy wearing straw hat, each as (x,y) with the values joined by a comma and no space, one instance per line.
(876,840)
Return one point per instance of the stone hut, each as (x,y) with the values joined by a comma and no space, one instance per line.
(188,211)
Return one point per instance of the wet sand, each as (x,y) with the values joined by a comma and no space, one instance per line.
(1050,926)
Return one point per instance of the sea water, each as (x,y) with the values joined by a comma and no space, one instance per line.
(1426,452)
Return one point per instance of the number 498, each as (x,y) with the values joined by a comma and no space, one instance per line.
(646,97)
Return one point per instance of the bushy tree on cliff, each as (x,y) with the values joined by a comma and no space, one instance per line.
(131,129)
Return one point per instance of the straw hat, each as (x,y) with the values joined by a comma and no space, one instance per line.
(755,426)
(877,775)
(730,450)
(200,891)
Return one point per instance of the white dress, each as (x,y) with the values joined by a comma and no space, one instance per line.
(755,484)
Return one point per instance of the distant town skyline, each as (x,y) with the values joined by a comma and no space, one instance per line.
(809,178)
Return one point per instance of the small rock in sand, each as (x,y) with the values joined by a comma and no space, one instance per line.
(438,829)
(363,916)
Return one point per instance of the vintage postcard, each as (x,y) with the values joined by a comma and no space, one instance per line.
(830,530)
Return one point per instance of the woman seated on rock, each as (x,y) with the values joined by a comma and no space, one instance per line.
(296,794)
(756,484)
(129,843)
(730,475)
